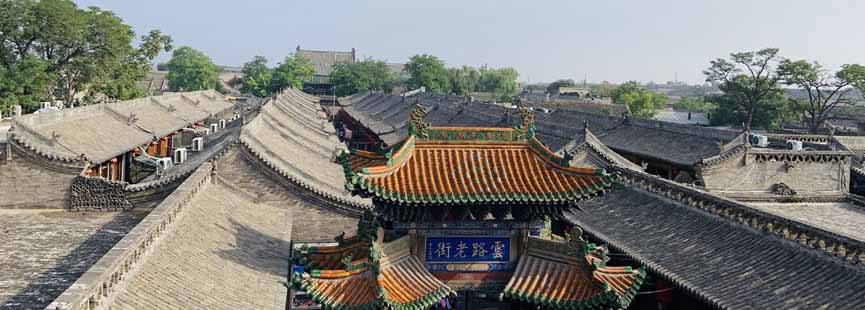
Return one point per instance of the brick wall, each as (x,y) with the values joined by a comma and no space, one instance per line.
(29,181)
(313,220)
(744,173)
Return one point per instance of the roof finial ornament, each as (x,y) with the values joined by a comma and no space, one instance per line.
(417,126)
(526,130)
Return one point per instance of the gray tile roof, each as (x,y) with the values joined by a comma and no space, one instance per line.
(387,115)
(293,136)
(855,145)
(725,263)
(102,131)
(226,252)
(323,61)
(682,117)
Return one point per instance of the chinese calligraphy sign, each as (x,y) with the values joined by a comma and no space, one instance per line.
(467,249)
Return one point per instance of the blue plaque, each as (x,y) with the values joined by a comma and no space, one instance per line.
(462,249)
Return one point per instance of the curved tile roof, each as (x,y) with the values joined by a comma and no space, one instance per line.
(559,275)
(727,264)
(226,252)
(294,138)
(102,131)
(390,279)
(473,164)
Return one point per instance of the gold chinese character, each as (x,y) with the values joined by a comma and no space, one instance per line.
(497,249)
(444,249)
(461,250)
(478,249)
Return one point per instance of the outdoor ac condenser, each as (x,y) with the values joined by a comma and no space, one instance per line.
(179,155)
(794,145)
(163,164)
(197,144)
(759,140)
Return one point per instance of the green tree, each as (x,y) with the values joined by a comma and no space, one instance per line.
(748,79)
(625,88)
(775,112)
(256,77)
(117,79)
(826,92)
(501,81)
(77,50)
(360,76)
(428,71)
(291,72)
(693,104)
(553,88)
(643,103)
(603,90)
(464,80)
(26,83)
(191,70)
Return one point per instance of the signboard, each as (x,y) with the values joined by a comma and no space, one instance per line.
(468,254)
(467,249)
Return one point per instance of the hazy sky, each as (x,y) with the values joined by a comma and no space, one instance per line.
(544,40)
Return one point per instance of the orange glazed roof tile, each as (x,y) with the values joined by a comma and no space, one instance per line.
(471,165)
(387,277)
(553,275)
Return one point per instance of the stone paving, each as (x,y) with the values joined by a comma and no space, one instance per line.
(841,218)
(42,252)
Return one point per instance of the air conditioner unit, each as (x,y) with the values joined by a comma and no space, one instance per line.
(794,145)
(759,140)
(197,144)
(214,128)
(163,164)
(222,124)
(179,155)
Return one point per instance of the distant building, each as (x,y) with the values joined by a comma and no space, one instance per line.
(323,62)
(581,92)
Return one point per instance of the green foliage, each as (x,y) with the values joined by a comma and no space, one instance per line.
(365,75)
(428,71)
(643,103)
(747,79)
(291,72)
(772,114)
(553,88)
(694,104)
(191,70)
(501,81)
(625,88)
(464,80)
(118,79)
(603,90)
(826,92)
(51,48)
(256,77)
(25,84)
